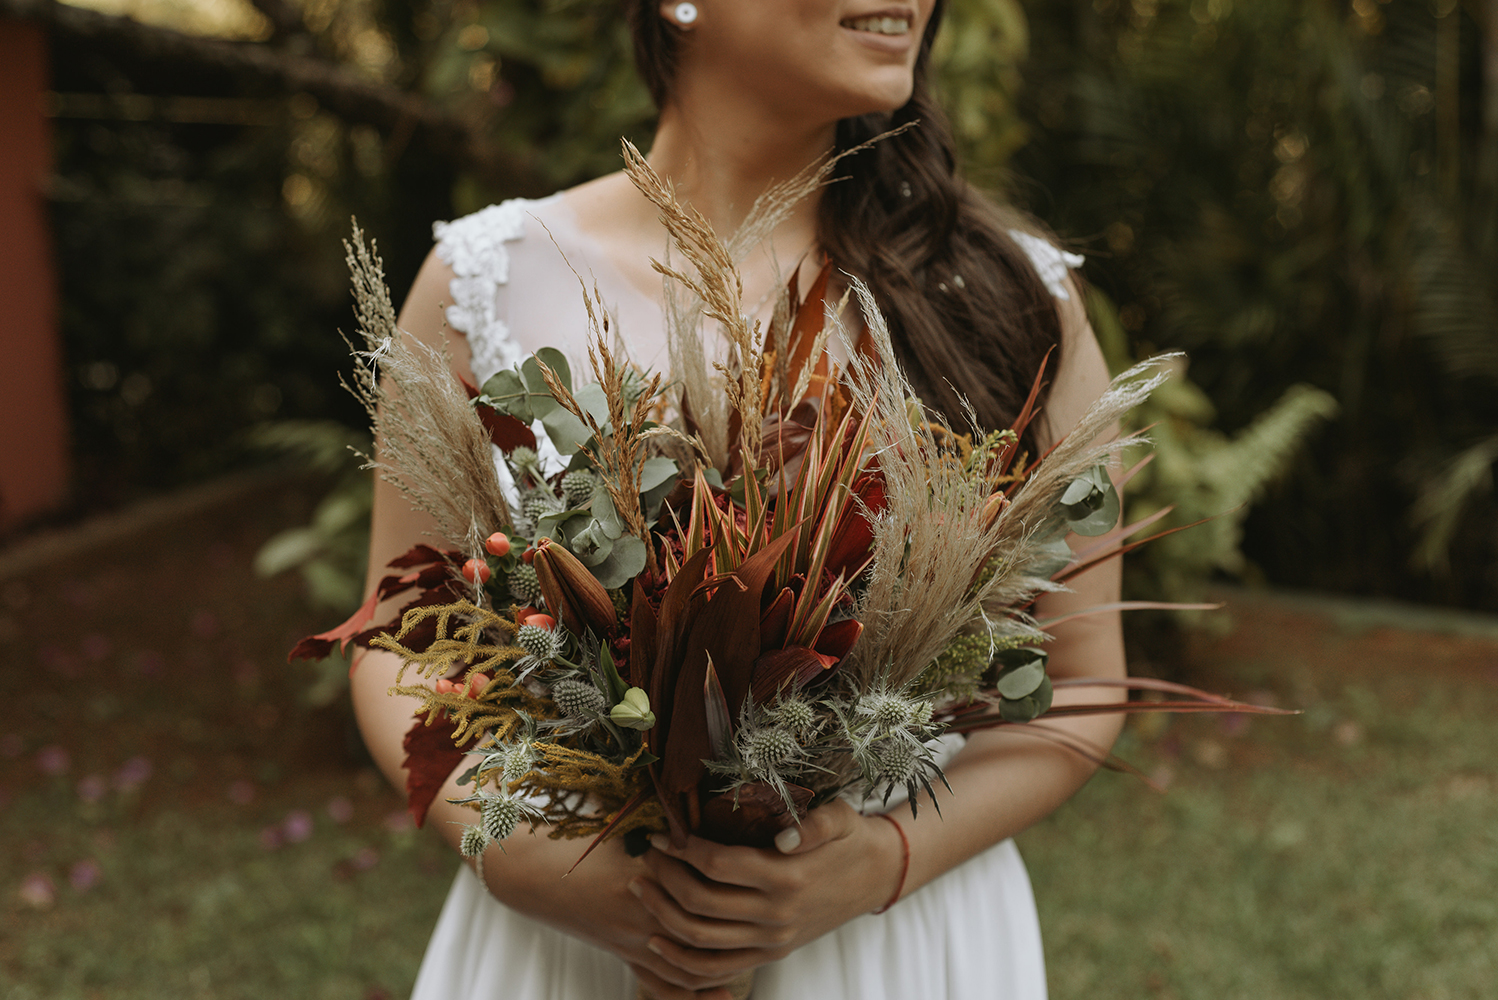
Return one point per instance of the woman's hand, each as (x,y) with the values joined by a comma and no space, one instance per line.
(593,903)
(727,909)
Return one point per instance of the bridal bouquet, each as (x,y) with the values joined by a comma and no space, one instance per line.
(723,599)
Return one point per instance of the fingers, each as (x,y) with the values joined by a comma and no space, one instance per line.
(716,967)
(834,821)
(697,895)
(659,988)
(741,866)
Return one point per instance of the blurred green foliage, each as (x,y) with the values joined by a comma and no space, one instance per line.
(1300,192)
(1293,192)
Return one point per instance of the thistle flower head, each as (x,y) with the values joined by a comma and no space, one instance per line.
(473,842)
(796,714)
(501,814)
(578,485)
(542,643)
(538,504)
(517,760)
(524,586)
(765,749)
(577,699)
(887,711)
(898,761)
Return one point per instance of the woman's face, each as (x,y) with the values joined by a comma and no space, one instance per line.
(828,59)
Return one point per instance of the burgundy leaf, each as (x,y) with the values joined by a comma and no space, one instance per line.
(431,757)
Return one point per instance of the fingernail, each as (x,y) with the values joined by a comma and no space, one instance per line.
(654,947)
(659,841)
(788,840)
(637,887)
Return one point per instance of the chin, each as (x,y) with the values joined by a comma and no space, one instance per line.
(878,99)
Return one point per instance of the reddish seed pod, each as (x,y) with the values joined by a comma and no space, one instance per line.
(445,686)
(476,571)
(497,544)
(528,555)
(539,620)
(476,684)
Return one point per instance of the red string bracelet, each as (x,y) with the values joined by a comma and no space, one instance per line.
(904,861)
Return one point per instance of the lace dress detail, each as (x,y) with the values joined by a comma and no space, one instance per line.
(474,247)
(1050,263)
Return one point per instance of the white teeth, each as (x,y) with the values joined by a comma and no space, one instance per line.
(880,25)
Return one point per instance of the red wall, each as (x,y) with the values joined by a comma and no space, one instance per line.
(33,415)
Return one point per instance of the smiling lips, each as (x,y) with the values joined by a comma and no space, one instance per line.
(880,24)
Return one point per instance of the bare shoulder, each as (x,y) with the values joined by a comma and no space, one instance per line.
(424,313)
(1082,375)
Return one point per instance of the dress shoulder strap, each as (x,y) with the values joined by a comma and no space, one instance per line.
(1050,263)
(475,248)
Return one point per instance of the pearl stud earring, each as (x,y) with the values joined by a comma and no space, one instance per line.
(686,13)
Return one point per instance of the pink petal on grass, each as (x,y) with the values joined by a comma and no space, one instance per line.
(37,891)
(84,875)
(132,774)
(52,760)
(297,826)
(340,809)
(91,788)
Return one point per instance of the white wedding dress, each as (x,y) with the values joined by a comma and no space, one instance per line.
(970,935)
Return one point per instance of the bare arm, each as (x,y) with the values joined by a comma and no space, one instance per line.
(594,903)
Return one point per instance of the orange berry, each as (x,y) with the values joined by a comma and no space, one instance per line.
(476,571)
(528,555)
(476,684)
(497,544)
(539,620)
(445,686)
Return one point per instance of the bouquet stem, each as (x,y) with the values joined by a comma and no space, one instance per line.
(739,988)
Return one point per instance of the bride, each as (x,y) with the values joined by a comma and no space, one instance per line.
(750,93)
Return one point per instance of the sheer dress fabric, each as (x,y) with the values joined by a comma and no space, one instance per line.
(972,934)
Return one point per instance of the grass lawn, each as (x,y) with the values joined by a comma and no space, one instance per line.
(179,821)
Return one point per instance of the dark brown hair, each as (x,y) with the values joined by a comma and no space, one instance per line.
(969,316)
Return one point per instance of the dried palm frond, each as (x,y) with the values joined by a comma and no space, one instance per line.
(432,445)
(941,560)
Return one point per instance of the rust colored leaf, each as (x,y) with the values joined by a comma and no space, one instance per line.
(776,621)
(755,818)
(431,757)
(781,668)
(838,638)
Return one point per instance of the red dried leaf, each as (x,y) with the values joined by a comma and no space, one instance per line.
(752,815)
(431,758)
(776,621)
(727,629)
(781,668)
(838,638)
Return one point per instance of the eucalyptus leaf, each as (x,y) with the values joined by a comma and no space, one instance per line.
(1023,680)
(591,545)
(507,392)
(607,518)
(1032,706)
(1090,503)
(566,431)
(625,561)
(655,472)
(595,403)
(560,526)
